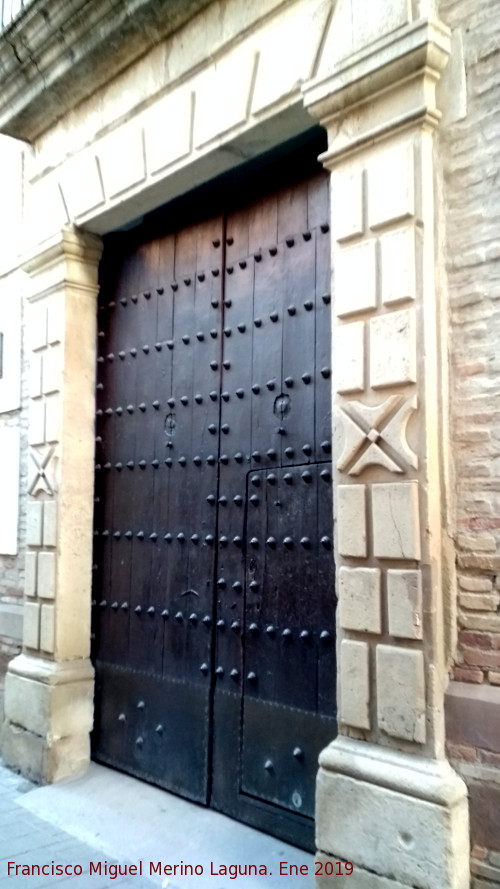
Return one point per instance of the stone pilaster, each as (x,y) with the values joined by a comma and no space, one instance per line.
(49,687)
(387,799)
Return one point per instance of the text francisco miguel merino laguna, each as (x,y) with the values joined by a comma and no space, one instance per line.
(160,868)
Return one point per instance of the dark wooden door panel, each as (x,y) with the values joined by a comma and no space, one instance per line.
(214,604)
(155,530)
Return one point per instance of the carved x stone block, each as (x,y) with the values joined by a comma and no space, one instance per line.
(42,471)
(377,435)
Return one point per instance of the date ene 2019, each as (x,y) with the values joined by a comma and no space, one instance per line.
(321,868)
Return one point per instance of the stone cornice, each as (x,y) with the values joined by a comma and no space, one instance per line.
(56,54)
(429,779)
(409,60)
(50,672)
(71,258)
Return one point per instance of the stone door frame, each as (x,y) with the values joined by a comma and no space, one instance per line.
(372,86)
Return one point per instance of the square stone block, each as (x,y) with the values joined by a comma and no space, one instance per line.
(44,759)
(56,710)
(347,194)
(31,624)
(47,628)
(46,575)
(81,184)
(126,144)
(393,349)
(297,47)
(30,574)
(404,603)
(401,692)
(395,516)
(355,279)
(351,520)
(391,185)
(397,833)
(355,683)
(34,523)
(35,375)
(50,523)
(52,370)
(44,206)
(52,419)
(172,114)
(349,357)
(359,599)
(22,751)
(56,318)
(222,95)
(36,428)
(46,730)
(398,267)
(36,326)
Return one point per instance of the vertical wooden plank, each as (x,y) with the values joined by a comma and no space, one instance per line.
(143,622)
(298,351)
(319,214)
(161,360)
(327,686)
(267,356)
(180,450)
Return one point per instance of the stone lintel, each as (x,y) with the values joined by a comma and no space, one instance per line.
(404,819)
(401,70)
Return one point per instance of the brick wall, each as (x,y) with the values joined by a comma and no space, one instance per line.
(470,153)
(470,156)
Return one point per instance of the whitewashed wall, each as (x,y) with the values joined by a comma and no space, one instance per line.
(13,402)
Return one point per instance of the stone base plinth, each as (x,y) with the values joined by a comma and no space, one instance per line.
(48,713)
(401,820)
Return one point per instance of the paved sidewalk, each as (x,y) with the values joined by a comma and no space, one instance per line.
(27,839)
(105,816)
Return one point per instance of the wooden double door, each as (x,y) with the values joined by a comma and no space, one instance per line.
(214,603)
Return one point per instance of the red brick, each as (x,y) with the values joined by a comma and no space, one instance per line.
(492,759)
(465,674)
(477,640)
(480,418)
(476,657)
(469,370)
(484,802)
(481,523)
(472,713)
(461,751)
